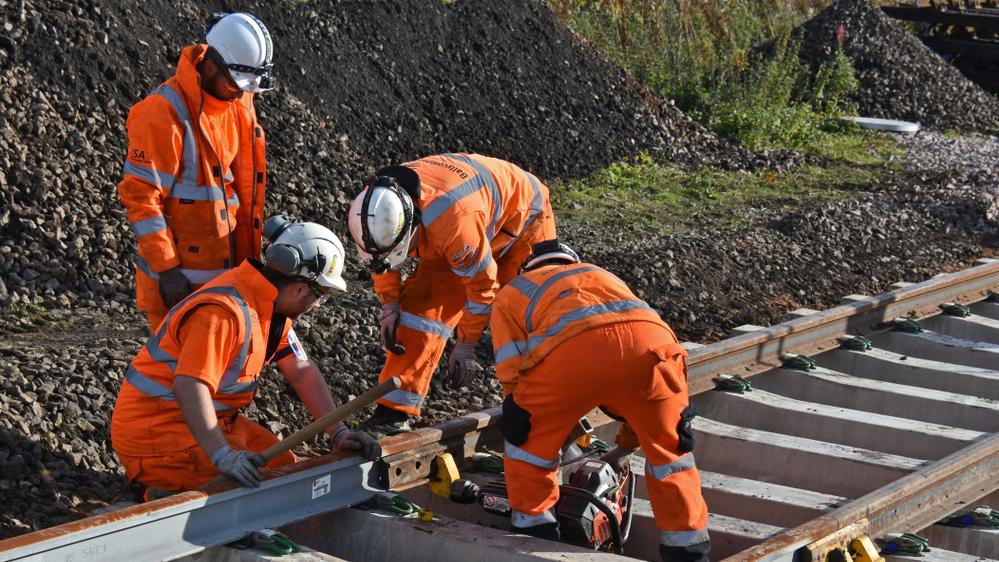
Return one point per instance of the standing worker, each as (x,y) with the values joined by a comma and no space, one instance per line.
(470,220)
(569,337)
(193,183)
(176,424)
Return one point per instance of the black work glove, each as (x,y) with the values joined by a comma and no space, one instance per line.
(239,465)
(391,314)
(174,286)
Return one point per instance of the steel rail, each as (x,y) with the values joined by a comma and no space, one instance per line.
(972,18)
(192,521)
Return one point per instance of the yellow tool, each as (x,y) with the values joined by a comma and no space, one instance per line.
(446,475)
(865,549)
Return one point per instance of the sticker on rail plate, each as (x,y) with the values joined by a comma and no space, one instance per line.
(321,486)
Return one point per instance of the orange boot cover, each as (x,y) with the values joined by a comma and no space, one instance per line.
(432,302)
(189,468)
(638,370)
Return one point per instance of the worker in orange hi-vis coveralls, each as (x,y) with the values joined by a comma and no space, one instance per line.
(193,184)
(470,220)
(569,337)
(176,423)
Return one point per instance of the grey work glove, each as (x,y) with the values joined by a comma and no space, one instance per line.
(347,440)
(239,465)
(461,365)
(618,458)
(391,313)
(174,286)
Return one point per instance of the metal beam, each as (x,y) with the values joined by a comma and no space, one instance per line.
(191,522)
(760,351)
(966,18)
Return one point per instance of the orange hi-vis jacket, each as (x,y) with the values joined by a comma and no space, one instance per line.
(194,181)
(473,209)
(546,306)
(147,420)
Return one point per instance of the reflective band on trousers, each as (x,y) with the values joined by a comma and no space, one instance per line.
(664,471)
(405,398)
(521,347)
(195,276)
(523,520)
(229,384)
(516,453)
(421,324)
(683,538)
(486,179)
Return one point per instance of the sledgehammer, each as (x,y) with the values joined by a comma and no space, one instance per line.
(318,426)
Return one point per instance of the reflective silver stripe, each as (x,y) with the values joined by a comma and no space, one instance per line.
(523,520)
(539,292)
(536,209)
(523,285)
(195,192)
(227,176)
(489,181)
(514,452)
(149,226)
(510,350)
(228,385)
(683,538)
(405,398)
(664,471)
(189,171)
(584,312)
(160,179)
(475,269)
(143,265)
(478,308)
(201,276)
(153,389)
(419,323)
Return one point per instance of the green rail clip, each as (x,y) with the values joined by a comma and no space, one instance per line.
(732,383)
(799,362)
(854,343)
(954,309)
(906,325)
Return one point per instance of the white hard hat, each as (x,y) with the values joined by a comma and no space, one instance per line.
(549,250)
(382,221)
(306,250)
(245,46)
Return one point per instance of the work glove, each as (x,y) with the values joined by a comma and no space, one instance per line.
(390,326)
(240,465)
(461,365)
(174,286)
(346,440)
(618,458)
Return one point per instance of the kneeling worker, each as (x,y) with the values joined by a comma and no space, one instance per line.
(176,424)
(568,337)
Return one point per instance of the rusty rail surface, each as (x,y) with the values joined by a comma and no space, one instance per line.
(920,498)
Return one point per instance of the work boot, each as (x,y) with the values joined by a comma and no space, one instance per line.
(692,553)
(547,531)
(385,422)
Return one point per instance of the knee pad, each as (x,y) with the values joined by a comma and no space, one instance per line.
(515,425)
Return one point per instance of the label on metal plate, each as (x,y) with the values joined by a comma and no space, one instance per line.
(321,486)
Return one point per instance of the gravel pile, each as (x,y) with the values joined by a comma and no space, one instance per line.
(365,84)
(900,78)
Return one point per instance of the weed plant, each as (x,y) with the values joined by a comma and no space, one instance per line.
(704,55)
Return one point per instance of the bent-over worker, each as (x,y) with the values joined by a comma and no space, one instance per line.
(176,424)
(569,337)
(470,220)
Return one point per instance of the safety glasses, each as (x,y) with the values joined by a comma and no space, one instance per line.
(317,291)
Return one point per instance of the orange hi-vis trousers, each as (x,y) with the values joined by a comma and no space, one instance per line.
(638,370)
(189,468)
(432,302)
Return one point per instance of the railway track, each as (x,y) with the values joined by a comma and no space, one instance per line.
(820,453)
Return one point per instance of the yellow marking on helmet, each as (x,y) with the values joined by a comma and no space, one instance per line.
(399,224)
(332,265)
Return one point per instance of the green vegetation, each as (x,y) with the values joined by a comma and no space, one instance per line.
(664,196)
(733,65)
(704,55)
